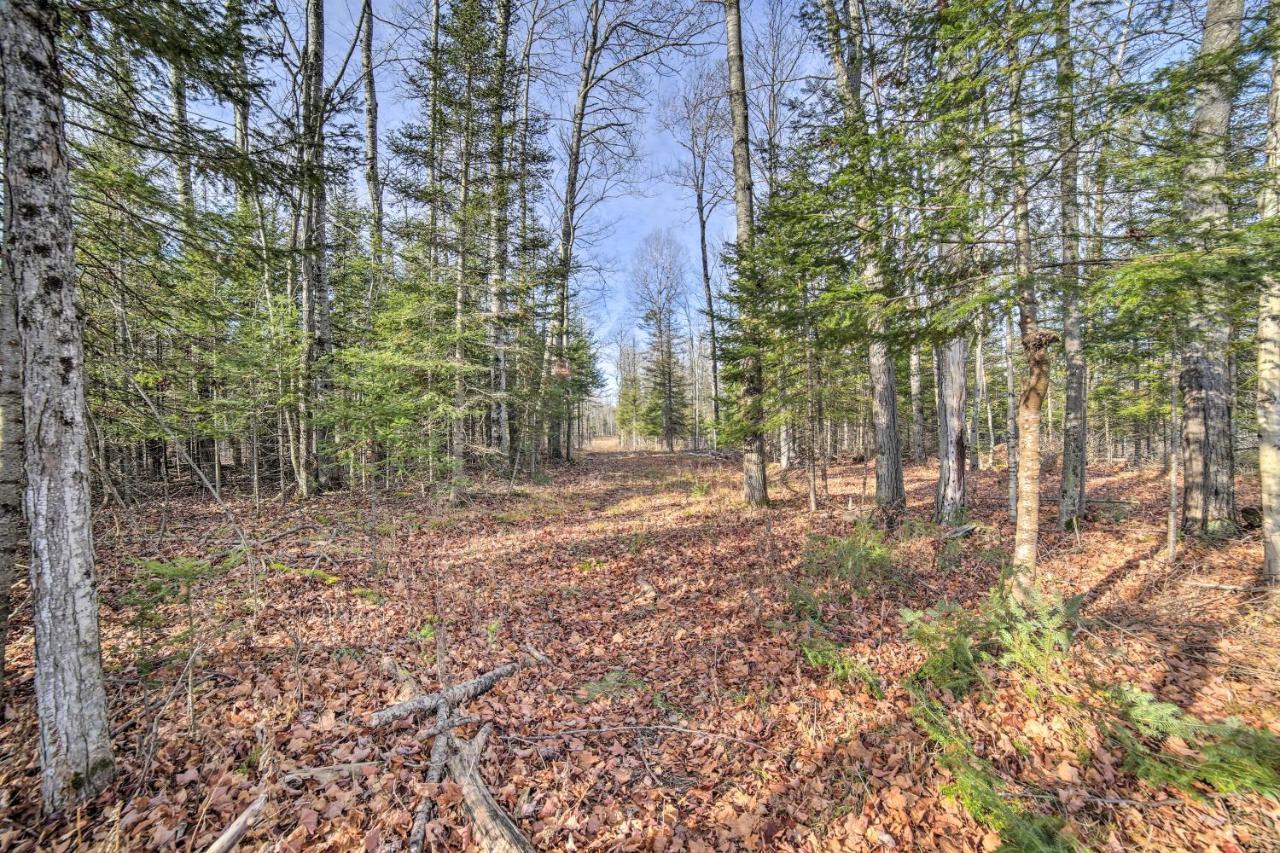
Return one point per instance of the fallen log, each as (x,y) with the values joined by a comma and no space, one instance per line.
(495,831)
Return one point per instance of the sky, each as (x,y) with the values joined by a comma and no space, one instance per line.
(620,224)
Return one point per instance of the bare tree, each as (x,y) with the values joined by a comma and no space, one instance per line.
(698,120)
(620,43)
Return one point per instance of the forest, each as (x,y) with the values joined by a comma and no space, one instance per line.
(672,425)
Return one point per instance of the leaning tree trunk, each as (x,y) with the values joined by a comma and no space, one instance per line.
(75,742)
(755,489)
(1269,332)
(1208,490)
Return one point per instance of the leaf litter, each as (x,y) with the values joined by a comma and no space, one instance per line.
(718,679)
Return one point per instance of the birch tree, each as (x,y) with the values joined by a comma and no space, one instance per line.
(76,759)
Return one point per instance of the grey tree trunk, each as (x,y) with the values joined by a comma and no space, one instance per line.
(319,472)
(917,405)
(1011,417)
(372,177)
(564,266)
(498,237)
(1269,331)
(950,504)
(755,489)
(844,45)
(1074,424)
(10,457)
(75,741)
(1035,346)
(1208,487)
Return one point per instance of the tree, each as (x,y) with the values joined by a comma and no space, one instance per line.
(1208,464)
(76,759)
(695,117)
(755,490)
(1269,326)
(658,284)
(1075,439)
(619,40)
(844,32)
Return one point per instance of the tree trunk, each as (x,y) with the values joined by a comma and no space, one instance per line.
(1269,330)
(755,489)
(1208,488)
(10,457)
(1011,417)
(372,177)
(917,405)
(498,236)
(1035,346)
(949,503)
(75,741)
(1074,424)
(703,215)
(314,441)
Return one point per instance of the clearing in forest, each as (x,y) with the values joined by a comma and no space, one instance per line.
(714,678)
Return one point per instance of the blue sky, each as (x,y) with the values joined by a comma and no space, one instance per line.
(620,223)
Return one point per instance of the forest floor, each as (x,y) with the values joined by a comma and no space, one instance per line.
(718,678)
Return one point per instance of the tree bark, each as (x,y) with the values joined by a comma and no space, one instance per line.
(319,472)
(844,46)
(1011,417)
(755,489)
(1074,425)
(372,177)
(498,223)
(917,405)
(1269,328)
(10,457)
(1208,487)
(75,741)
(1035,346)
(950,503)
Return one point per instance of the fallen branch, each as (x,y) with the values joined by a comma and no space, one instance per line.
(231,835)
(451,696)
(495,831)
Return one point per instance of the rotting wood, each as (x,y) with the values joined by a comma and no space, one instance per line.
(494,829)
